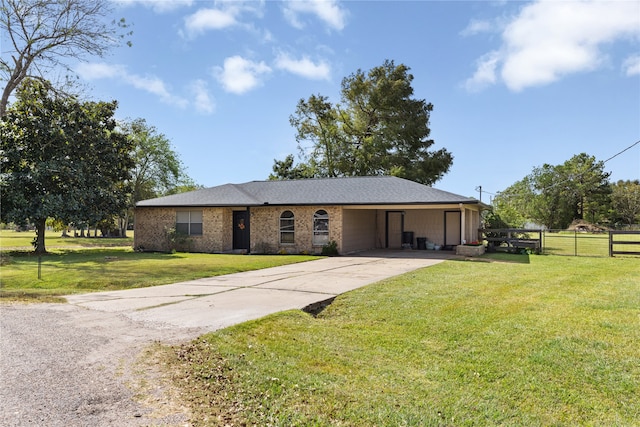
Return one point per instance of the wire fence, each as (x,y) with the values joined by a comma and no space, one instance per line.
(578,243)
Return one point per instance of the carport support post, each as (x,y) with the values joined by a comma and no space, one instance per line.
(462,223)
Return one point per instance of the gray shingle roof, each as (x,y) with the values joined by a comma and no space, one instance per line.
(378,190)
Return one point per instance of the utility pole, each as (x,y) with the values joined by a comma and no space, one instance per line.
(479,188)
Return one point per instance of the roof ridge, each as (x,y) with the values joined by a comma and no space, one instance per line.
(240,188)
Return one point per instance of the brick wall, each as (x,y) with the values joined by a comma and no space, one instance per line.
(265,229)
(152,224)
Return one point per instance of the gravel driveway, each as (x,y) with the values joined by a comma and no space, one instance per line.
(62,365)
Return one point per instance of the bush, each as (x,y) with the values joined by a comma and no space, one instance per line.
(330,249)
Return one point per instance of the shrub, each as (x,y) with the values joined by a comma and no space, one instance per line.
(330,249)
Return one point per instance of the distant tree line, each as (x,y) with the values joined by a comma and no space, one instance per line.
(555,195)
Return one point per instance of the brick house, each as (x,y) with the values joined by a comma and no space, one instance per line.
(301,216)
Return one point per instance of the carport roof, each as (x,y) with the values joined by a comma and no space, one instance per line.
(378,190)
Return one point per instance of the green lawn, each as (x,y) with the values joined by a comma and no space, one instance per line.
(13,240)
(87,265)
(542,341)
(585,244)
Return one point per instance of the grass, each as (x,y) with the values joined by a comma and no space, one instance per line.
(14,240)
(69,270)
(585,244)
(544,340)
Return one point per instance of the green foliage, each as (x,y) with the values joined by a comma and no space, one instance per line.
(330,249)
(532,341)
(158,170)
(554,196)
(176,241)
(378,128)
(61,159)
(625,200)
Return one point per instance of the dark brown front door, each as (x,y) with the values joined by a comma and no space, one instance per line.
(241,230)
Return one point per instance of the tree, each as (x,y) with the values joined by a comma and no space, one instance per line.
(554,196)
(61,159)
(378,128)
(284,169)
(44,33)
(158,170)
(625,200)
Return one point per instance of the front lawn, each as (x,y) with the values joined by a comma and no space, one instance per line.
(21,240)
(549,341)
(69,271)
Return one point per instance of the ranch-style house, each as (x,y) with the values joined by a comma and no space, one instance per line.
(302,216)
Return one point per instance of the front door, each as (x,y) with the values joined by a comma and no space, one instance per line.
(394,230)
(241,230)
(452,224)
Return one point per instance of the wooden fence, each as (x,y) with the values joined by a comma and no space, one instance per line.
(511,239)
(625,242)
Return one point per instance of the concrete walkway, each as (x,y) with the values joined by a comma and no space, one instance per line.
(218,302)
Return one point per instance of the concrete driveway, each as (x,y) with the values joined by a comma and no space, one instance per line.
(218,302)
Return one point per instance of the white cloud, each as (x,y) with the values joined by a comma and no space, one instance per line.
(485,74)
(303,67)
(549,39)
(239,75)
(99,70)
(477,26)
(631,65)
(329,11)
(208,19)
(202,100)
(150,84)
(224,15)
(158,6)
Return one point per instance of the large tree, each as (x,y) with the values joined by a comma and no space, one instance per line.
(43,34)
(61,159)
(625,201)
(555,195)
(158,170)
(378,128)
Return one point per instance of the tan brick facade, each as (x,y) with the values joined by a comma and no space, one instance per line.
(353,229)
(265,229)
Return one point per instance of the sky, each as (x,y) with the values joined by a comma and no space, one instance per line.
(514,85)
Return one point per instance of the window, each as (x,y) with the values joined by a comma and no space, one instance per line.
(320,228)
(287,227)
(189,223)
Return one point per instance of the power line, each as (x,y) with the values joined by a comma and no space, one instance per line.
(557,183)
(628,148)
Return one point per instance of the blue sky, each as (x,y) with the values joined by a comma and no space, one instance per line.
(514,84)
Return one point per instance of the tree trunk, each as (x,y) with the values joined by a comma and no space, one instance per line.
(124,222)
(39,247)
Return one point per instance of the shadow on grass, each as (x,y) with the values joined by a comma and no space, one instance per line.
(106,254)
(498,257)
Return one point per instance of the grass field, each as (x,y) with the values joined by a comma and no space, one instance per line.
(88,264)
(13,240)
(585,244)
(544,340)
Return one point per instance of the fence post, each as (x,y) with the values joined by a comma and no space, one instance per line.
(610,244)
